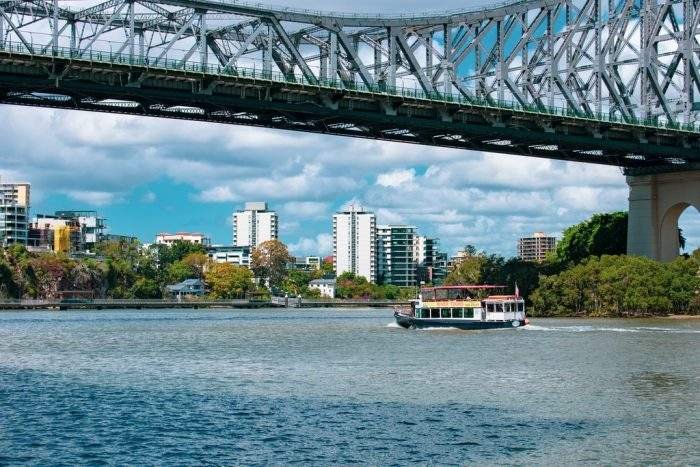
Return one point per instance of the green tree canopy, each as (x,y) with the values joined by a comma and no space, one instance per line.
(8,287)
(297,283)
(619,286)
(468,270)
(179,271)
(146,288)
(176,251)
(228,281)
(602,234)
(197,262)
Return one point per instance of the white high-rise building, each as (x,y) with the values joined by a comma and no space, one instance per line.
(254,225)
(354,243)
(14,213)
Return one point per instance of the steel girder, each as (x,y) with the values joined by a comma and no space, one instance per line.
(86,83)
(632,59)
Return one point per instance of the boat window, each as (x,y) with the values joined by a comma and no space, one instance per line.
(457,294)
(507,307)
(469,313)
(521,306)
(491,307)
(435,313)
(445,312)
(457,313)
(499,307)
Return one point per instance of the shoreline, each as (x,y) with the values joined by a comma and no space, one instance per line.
(193,305)
(267,306)
(672,316)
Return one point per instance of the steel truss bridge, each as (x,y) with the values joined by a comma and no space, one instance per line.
(580,80)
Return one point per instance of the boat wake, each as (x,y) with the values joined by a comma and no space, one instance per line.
(393,324)
(637,329)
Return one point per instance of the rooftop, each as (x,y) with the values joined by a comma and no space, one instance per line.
(181,233)
(322,282)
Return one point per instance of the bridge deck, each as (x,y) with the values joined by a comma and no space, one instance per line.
(121,83)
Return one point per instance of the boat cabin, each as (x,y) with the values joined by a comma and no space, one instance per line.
(468,302)
(463,307)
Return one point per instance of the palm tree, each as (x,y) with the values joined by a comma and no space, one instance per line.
(681,238)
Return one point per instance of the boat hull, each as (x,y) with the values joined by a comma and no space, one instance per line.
(410,322)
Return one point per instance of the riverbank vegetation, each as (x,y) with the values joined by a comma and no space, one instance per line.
(620,286)
(587,275)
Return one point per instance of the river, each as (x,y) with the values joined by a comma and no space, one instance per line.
(343,386)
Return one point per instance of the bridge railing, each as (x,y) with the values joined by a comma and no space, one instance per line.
(170,64)
(342,14)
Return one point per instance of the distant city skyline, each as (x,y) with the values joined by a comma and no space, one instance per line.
(219,231)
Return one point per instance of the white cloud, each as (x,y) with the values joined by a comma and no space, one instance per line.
(396,178)
(289,227)
(388,216)
(95,198)
(218,194)
(305,209)
(321,245)
(459,196)
(590,198)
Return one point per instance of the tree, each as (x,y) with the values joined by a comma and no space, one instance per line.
(269,260)
(681,238)
(468,270)
(179,271)
(619,286)
(176,251)
(197,262)
(296,283)
(126,250)
(326,269)
(348,285)
(227,281)
(508,272)
(8,287)
(602,234)
(146,288)
(120,278)
(18,260)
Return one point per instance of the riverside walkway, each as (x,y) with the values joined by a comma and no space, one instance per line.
(137,304)
(104,304)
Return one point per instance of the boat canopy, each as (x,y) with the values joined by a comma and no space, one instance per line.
(457,292)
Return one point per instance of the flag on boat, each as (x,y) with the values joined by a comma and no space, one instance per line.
(517,291)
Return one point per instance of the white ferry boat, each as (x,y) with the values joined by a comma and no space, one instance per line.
(458,306)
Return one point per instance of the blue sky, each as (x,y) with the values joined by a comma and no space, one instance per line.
(150,175)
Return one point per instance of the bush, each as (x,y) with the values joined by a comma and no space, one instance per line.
(617,286)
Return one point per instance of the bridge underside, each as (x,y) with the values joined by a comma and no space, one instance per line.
(91,85)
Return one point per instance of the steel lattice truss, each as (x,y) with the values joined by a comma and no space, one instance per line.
(626,58)
(609,83)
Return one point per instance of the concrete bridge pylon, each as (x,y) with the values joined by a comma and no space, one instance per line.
(656,202)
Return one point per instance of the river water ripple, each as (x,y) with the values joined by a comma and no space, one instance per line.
(340,387)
